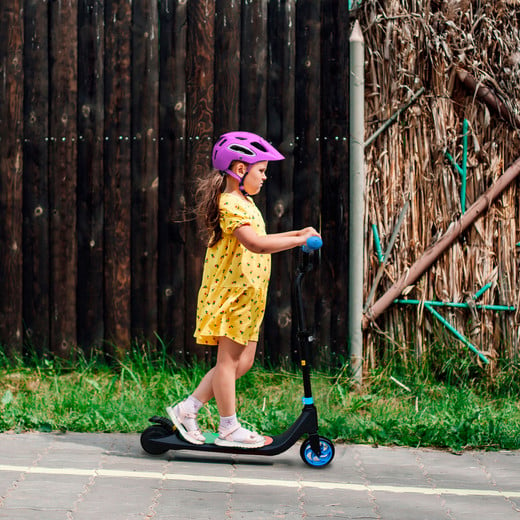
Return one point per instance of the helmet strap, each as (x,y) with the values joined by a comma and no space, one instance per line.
(240,180)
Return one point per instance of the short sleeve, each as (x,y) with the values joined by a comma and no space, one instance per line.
(233,215)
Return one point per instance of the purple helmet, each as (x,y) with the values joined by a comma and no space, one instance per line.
(242,146)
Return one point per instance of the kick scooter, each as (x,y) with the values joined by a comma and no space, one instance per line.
(316,451)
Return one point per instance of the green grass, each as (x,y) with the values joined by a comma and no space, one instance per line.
(448,407)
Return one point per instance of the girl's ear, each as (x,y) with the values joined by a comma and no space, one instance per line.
(240,168)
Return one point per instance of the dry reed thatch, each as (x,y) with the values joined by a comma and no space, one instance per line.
(422,43)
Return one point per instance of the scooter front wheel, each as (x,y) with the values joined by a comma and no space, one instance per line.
(149,435)
(312,459)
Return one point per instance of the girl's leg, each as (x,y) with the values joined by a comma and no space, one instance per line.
(204,392)
(233,361)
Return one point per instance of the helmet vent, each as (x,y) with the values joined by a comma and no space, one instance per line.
(259,146)
(241,149)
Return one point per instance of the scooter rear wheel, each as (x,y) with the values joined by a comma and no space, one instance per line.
(149,435)
(317,461)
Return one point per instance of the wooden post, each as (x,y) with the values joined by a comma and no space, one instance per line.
(253,74)
(11,164)
(279,187)
(172,205)
(145,181)
(35,174)
(335,159)
(253,67)
(117,182)
(62,174)
(307,182)
(90,173)
(227,66)
(199,134)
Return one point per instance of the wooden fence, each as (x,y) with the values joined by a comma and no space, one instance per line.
(108,112)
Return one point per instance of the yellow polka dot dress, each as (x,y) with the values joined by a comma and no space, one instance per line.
(233,292)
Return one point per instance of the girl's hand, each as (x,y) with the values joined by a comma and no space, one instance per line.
(306,233)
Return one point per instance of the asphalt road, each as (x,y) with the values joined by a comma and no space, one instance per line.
(108,476)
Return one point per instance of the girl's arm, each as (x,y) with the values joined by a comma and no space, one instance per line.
(274,243)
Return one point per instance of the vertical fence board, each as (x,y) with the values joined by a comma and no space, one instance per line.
(90,173)
(172,206)
(307,129)
(279,190)
(35,175)
(227,66)
(11,163)
(334,131)
(253,73)
(199,133)
(307,117)
(145,181)
(117,181)
(253,67)
(62,181)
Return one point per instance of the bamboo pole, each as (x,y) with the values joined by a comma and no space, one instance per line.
(357,195)
(479,207)
(489,97)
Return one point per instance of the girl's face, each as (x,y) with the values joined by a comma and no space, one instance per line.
(256,177)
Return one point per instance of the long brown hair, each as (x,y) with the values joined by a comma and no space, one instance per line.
(207,198)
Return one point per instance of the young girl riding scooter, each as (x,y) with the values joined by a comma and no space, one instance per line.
(232,296)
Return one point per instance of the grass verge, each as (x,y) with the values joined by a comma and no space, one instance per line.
(393,407)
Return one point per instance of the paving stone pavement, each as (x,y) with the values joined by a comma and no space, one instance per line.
(75,476)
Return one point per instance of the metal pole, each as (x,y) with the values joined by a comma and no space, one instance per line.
(357,198)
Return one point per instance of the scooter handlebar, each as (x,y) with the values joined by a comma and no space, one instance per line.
(313,243)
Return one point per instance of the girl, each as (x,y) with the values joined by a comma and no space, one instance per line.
(232,296)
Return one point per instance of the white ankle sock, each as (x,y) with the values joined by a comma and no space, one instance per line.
(227,423)
(239,435)
(193,405)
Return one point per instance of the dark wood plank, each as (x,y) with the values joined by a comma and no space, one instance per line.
(117,176)
(62,181)
(307,180)
(253,67)
(35,172)
(279,187)
(334,207)
(145,181)
(90,173)
(253,73)
(172,206)
(199,134)
(227,66)
(11,167)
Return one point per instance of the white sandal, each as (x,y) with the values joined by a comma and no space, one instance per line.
(250,439)
(186,423)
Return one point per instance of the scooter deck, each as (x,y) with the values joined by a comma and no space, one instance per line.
(273,446)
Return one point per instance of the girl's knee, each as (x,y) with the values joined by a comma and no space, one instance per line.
(244,367)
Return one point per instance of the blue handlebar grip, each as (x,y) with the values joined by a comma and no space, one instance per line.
(313,243)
